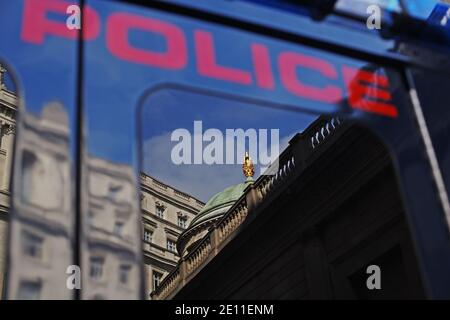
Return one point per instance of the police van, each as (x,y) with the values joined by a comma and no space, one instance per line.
(103,85)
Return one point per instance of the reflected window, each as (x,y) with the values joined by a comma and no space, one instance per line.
(96,267)
(118,228)
(29,163)
(160,211)
(40,170)
(32,245)
(90,218)
(171,246)
(148,236)
(29,290)
(124,273)
(113,191)
(182,222)
(156,279)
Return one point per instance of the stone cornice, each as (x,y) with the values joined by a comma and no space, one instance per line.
(169,199)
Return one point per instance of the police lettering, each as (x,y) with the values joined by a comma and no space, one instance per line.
(364,90)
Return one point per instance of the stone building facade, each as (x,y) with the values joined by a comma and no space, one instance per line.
(166,211)
(8,103)
(310,231)
(42,234)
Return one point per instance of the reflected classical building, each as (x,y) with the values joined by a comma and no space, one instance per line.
(44,232)
(42,225)
(308,231)
(8,103)
(109,261)
(166,212)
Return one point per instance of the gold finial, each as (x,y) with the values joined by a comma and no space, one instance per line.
(247,167)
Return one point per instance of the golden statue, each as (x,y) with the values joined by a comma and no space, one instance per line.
(247,167)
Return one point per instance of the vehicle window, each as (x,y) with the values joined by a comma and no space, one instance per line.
(216,155)
(247,141)
(204,156)
(36,220)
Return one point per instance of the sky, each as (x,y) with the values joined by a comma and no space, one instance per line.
(168,110)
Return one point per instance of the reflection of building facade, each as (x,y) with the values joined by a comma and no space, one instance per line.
(45,230)
(110,263)
(8,103)
(166,213)
(41,228)
(332,209)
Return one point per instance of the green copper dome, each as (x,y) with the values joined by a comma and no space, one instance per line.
(214,209)
(220,203)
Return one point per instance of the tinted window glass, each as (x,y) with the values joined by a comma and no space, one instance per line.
(194,158)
